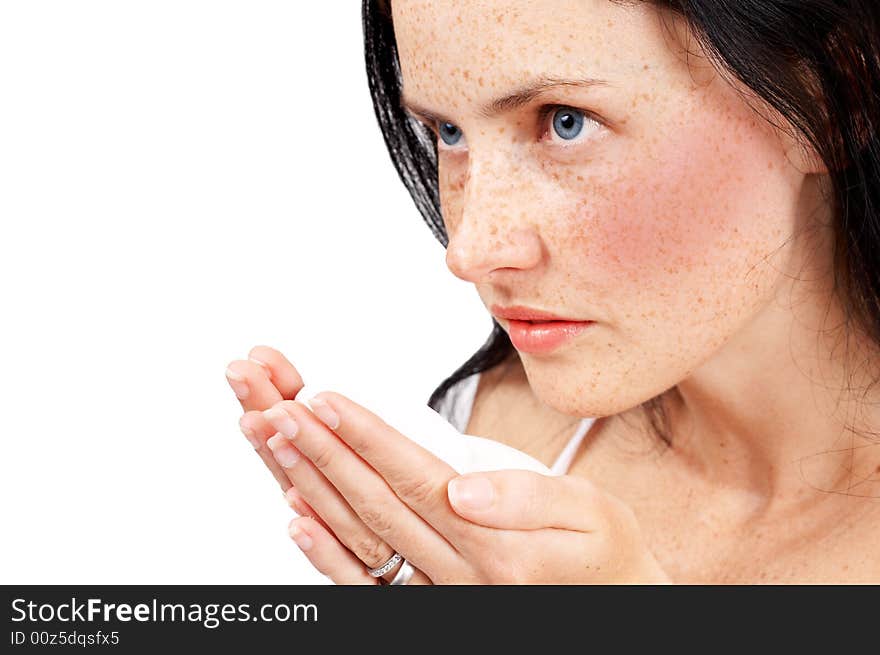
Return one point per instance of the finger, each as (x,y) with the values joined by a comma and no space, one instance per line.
(364,489)
(330,505)
(251,385)
(258,430)
(299,505)
(340,519)
(281,372)
(333,560)
(525,500)
(327,555)
(416,475)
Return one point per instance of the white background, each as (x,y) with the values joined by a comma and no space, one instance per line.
(180,181)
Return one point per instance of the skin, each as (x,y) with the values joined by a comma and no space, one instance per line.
(378,492)
(689,223)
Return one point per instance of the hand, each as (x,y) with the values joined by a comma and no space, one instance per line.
(598,539)
(534,529)
(263,379)
(259,382)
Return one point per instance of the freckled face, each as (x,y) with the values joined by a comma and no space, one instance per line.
(663,218)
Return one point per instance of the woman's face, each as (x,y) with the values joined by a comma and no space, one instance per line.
(660,209)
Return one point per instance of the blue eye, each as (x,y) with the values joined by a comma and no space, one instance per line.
(449,130)
(568,122)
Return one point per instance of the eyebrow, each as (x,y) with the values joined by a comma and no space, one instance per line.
(510,101)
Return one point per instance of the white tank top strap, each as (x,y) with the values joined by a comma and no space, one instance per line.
(563,461)
(457,404)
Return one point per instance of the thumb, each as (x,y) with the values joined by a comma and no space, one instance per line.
(525,500)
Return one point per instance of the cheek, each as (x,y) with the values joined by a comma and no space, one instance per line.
(694,207)
(648,224)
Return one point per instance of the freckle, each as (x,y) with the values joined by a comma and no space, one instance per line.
(500,130)
(480,81)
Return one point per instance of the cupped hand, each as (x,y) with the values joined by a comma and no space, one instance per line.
(500,527)
(259,382)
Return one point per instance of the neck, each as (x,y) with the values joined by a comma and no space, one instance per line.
(774,415)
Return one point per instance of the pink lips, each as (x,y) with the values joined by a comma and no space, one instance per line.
(543,337)
(536,330)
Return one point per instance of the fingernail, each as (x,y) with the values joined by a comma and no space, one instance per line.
(282,421)
(471,493)
(299,535)
(251,436)
(263,364)
(238,384)
(291,497)
(285,454)
(293,503)
(324,412)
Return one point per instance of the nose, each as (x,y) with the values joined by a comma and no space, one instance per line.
(493,229)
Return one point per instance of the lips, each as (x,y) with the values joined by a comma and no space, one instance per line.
(536,330)
(523,313)
(540,337)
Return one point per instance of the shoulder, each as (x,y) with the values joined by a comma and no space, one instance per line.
(468,396)
(498,389)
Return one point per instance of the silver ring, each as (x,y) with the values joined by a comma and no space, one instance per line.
(404,574)
(387,566)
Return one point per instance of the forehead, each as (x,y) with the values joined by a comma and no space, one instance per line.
(467,50)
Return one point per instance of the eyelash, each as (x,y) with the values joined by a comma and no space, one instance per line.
(546,110)
(543,113)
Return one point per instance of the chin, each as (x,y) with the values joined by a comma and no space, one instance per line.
(581,390)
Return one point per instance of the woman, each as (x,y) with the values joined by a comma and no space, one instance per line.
(694,184)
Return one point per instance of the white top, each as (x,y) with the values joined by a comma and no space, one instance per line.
(458,402)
